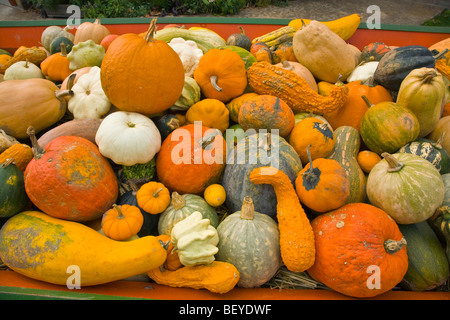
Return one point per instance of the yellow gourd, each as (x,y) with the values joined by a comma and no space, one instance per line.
(213,113)
(41,247)
(344,27)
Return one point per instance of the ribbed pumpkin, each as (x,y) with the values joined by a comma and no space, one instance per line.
(13,198)
(69,179)
(52,32)
(376,243)
(251,242)
(322,185)
(431,151)
(221,74)
(387,126)
(56,66)
(94,31)
(180,207)
(265,78)
(122,222)
(191,158)
(127,81)
(267,112)
(235,104)
(400,185)
(314,132)
(210,112)
(253,151)
(153,197)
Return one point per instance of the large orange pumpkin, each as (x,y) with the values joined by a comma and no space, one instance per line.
(142,75)
(191,158)
(360,251)
(69,179)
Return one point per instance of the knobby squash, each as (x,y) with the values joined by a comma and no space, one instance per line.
(42,247)
(296,234)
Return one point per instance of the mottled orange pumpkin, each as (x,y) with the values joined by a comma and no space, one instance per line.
(191,158)
(267,112)
(143,75)
(235,105)
(69,179)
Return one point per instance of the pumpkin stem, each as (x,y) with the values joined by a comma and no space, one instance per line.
(367,101)
(120,214)
(213,80)
(38,151)
(6,135)
(286,65)
(265,143)
(303,24)
(440,54)
(151,31)
(428,76)
(242,30)
(369,82)
(178,201)
(392,246)
(394,164)
(133,186)
(247,209)
(63,50)
(310,175)
(208,139)
(156,193)
(26,64)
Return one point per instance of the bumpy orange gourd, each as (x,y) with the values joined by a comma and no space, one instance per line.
(356,245)
(221,74)
(265,78)
(122,222)
(296,234)
(56,66)
(20,152)
(322,185)
(153,197)
(34,55)
(142,75)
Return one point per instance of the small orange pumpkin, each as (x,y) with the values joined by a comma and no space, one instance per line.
(367,160)
(91,31)
(122,222)
(172,262)
(153,197)
(56,66)
(221,74)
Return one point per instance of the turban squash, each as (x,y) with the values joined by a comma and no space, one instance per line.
(142,75)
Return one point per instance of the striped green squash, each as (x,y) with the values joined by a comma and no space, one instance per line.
(406,186)
(345,151)
(431,151)
(13,197)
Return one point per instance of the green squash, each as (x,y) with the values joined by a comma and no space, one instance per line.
(254,151)
(86,54)
(406,186)
(13,198)
(345,151)
(166,124)
(190,95)
(431,151)
(428,267)
(251,242)
(245,55)
(446,179)
(182,206)
(240,39)
(440,223)
(387,126)
(52,32)
(55,46)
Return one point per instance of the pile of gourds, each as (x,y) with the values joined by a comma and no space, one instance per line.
(209,163)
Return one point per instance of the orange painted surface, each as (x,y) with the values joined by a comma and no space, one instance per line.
(13,37)
(147,290)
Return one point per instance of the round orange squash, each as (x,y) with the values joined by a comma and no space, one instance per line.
(191,158)
(69,179)
(143,75)
(94,31)
(360,251)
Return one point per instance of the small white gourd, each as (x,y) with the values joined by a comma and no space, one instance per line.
(22,70)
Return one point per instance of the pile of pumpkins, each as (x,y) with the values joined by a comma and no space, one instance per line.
(211,163)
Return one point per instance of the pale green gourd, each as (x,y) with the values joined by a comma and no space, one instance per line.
(22,70)
(86,54)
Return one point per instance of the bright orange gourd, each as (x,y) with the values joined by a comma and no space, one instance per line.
(367,160)
(221,74)
(142,75)
(122,222)
(356,245)
(296,234)
(20,152)
(56,66)
(153,197)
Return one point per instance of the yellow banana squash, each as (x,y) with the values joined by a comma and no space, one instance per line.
(345,27)
(48,249)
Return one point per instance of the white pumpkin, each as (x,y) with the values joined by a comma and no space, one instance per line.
(128,138)
(89,100)
(22,70)
(363,71)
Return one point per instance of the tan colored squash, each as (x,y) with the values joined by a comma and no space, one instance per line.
(300,70)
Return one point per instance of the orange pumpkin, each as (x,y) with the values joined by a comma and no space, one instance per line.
(191,158)
(90,31)
(367,160)
(143,75)
(360,251)
(69,179)
(267,112)
(351,113)
(221,74)
(56,66)
(235,104)
(122,222)
(153,197)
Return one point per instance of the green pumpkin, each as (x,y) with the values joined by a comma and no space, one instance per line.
(406,186)
(52,32)
(253,151)
(13,198)
(240,39)
(387,126)
(440,223)
(251,242)
(55,46)
(182,206)
(428,267)
(166,124)
(446,179)
(430,151)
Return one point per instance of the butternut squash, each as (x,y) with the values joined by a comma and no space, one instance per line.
(41,247)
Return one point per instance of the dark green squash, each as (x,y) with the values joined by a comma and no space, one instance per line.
(431,151)
(13,198)
(254,151)
(240,39)
(166,124)
(396,64)
(55,46)
(428,267)
(440,223)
